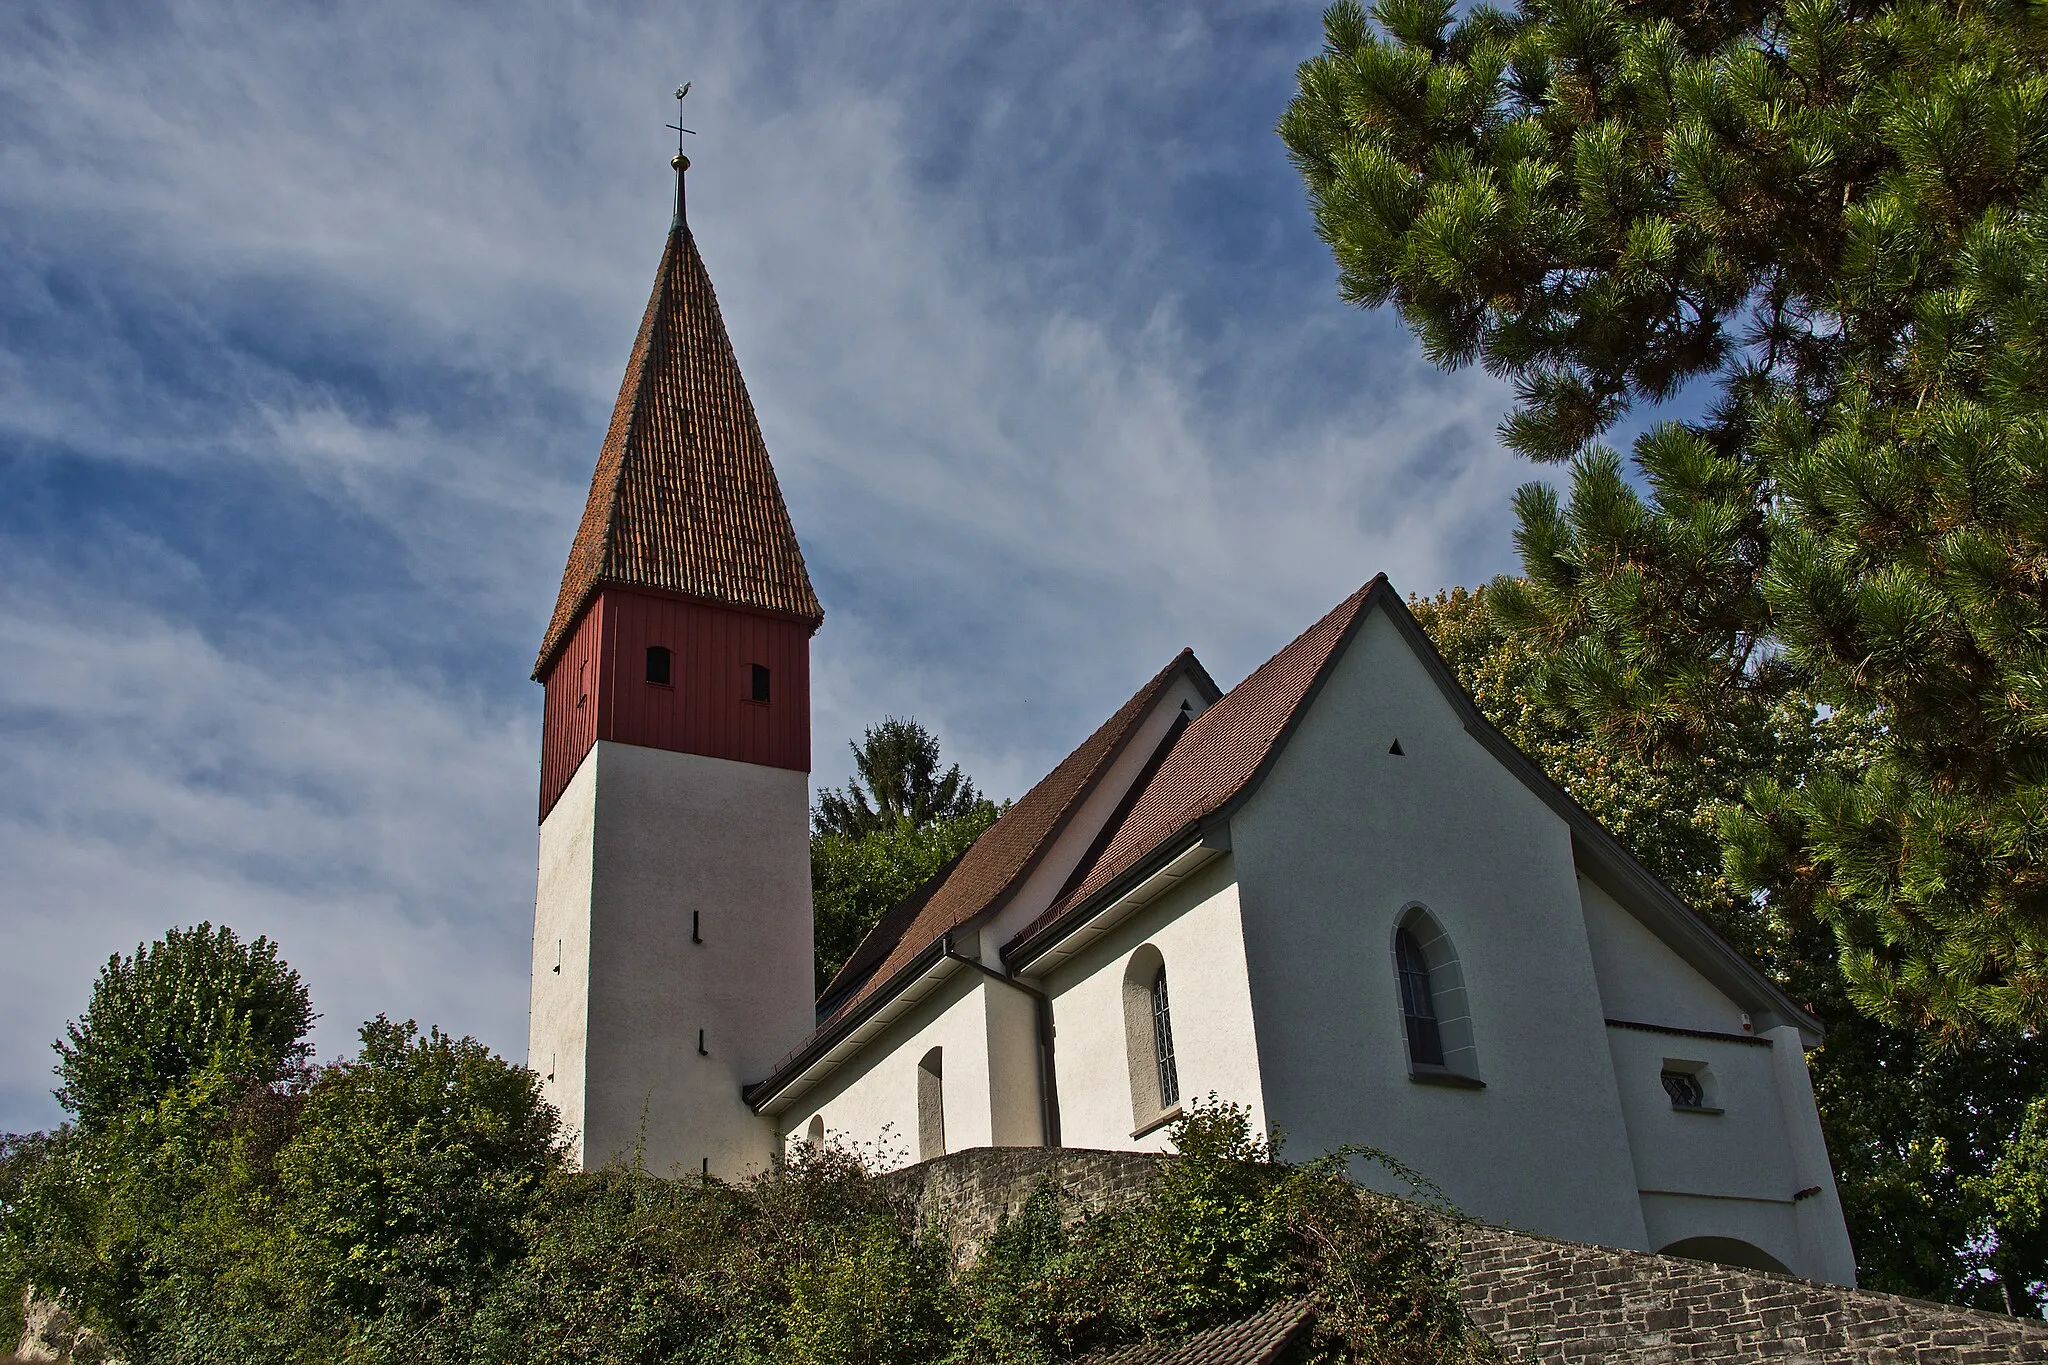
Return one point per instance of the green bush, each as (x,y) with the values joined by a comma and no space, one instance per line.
(412,1203)
(402,1195)
(1225,1229)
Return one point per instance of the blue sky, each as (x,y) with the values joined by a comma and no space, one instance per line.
(311,317)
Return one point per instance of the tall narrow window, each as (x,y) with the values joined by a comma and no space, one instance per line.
(757,682)
(658,665)
(814,1137)
(931,1105)
(1418,1002)
(1162,1043)
(1148,1041)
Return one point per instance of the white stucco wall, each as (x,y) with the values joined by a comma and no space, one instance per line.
(1199,936)
(641,839)
(1340,838)
(1735,1173)
(1723,1175)
(1641,978)
(987,1031)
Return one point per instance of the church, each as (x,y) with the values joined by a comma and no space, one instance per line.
(1332,893)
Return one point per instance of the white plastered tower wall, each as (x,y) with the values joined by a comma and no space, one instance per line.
(678,890)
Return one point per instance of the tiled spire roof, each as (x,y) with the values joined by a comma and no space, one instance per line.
(684,497)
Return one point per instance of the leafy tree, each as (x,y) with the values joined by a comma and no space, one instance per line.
(854,881)
(402,1191)
(814,1261)
(896,782)
(149,1227)
(1825,222)
(195,997)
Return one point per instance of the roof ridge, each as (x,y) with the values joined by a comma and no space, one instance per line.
(1176,797)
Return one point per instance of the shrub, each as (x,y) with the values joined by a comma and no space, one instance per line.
(1225,1229)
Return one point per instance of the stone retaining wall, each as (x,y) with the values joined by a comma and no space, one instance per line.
(1540,1299)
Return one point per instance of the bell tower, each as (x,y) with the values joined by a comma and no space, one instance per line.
(672,952)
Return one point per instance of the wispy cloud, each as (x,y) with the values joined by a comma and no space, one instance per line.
(310,322)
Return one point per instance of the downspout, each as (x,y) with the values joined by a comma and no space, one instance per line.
(1048,1075)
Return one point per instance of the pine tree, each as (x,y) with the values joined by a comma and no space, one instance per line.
(1826,223)
(898,822)
(896,781)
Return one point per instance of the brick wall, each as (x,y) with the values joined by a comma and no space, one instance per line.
(1539,1299)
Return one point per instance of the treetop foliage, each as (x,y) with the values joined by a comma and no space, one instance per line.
(194,998)
(896,782)
(1825,222)
(855,881)
(897,823)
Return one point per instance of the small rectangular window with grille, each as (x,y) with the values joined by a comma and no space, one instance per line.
(1685,1089)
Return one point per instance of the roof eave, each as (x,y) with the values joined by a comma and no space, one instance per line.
(1184,664)
(1171,862)
(1215,825)
(556,646)
(816,1048)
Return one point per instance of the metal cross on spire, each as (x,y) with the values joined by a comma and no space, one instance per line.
(680,161)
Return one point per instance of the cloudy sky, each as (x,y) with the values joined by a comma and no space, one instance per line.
(311,317)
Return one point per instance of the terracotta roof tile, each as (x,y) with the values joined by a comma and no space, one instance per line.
(1000,858)
(684,497)
(1216,757)
(1256,1340)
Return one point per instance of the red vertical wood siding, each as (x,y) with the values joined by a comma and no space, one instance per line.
(705,710)
(567,729)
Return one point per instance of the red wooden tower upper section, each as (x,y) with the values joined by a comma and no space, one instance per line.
(685,615)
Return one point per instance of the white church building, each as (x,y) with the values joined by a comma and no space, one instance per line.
(1333,893)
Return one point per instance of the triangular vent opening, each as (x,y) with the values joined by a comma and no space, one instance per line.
(1396,749)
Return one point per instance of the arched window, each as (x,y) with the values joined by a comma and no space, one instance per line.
(1436,1021)
(1418,1004)
(814,1136)
(931,1105)
(1162,1042)
(1148,1038)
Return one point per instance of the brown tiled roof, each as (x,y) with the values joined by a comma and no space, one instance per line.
(1217,756)
(684,498)
(1257,1340)
(1001,857)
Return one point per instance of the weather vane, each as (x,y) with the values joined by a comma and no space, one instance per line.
(681,91)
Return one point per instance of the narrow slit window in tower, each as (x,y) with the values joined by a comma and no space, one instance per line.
(757,682)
